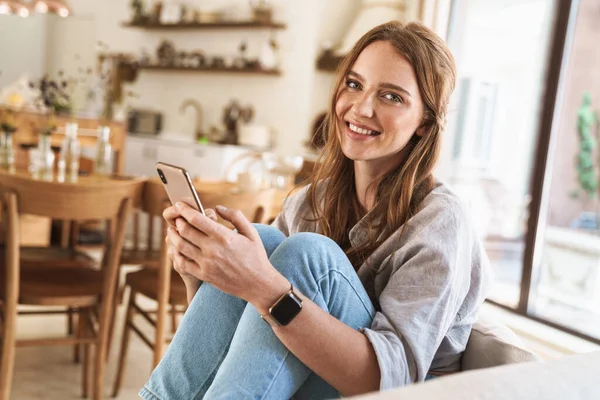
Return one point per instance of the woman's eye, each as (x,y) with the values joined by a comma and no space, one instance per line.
(394,97)
(352,84)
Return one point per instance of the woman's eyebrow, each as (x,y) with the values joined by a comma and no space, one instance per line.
(384,85)
(396,87)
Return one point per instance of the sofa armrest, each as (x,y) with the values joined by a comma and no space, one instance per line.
(491,345)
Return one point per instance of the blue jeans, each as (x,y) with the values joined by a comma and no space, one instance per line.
(224,350)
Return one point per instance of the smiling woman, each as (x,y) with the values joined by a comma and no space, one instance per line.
(371,276)
(396,84)
(379,117)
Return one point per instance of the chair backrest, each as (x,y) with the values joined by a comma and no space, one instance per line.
(154,198)
(148,234)
(254,205)
(153,202)
(90,199)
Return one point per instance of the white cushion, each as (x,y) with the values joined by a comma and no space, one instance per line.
(491,345)
(567,378)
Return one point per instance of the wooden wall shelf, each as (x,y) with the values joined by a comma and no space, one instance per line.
(208,25)
(272,72)
(329,62)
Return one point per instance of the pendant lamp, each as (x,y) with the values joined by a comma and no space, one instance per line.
(14,7)
(58,7)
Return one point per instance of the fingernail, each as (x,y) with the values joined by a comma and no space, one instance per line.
(221,208)
(179,205)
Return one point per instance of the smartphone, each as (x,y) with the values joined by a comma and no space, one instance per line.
(178,185)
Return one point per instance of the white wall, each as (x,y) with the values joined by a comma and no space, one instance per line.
(22,47)
(70,47)
(286,103)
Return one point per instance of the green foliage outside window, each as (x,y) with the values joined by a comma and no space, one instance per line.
(587,124)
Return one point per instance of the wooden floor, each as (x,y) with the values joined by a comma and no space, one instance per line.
(49,372)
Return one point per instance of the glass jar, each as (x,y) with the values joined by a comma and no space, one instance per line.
(103,162)
(68,161)
(46,159)
(7,152)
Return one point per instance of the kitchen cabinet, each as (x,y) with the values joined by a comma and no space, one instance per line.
(208,162)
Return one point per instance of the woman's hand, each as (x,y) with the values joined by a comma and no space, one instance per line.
(171,214)
(234,262)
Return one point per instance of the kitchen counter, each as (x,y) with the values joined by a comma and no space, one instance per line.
(209,161)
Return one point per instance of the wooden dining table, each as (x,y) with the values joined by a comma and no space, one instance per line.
(35,230)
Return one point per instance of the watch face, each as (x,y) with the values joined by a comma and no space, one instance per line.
(286,309)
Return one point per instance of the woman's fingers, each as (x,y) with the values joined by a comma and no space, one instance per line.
(181,245)
(240,222)
(189,233)
(202,222)
(170,214)
(210,213)
(183,265)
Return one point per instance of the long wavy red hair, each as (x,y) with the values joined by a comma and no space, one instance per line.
(400,192)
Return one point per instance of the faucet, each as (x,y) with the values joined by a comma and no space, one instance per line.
(199,115)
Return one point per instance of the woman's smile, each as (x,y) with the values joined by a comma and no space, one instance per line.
(356,131)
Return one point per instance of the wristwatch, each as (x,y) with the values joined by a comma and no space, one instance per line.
(284,310)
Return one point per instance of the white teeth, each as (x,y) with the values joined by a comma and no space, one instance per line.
(362,131)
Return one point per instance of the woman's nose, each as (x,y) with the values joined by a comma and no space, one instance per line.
(363,106)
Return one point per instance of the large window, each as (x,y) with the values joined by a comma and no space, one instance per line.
(566,288)
(501,49)
(524,151)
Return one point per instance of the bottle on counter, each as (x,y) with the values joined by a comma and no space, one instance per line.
(68,162)
(103,162)
(7,151)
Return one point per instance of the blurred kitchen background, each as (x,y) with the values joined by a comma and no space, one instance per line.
(236,90)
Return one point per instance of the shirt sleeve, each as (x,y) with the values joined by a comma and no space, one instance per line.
(421,302)
(290,219)
(281,223)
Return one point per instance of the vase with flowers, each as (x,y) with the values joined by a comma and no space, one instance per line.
(113,70)
(7,151)
(53,99)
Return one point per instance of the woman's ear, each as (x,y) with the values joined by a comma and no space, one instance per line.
(422,130)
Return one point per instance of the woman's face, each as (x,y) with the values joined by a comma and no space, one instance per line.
(379,108)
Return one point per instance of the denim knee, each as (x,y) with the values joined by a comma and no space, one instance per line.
(270,236)
(312,242)
(321,270)
(310,249)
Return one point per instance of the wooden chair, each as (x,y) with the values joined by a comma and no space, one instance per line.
(255,205)
(90,292)
(163,286)
(142,252)
(67,253)
(64,255)
(154,281)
